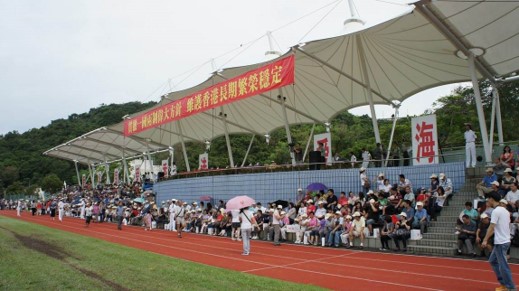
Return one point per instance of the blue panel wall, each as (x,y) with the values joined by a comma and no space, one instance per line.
(266,187)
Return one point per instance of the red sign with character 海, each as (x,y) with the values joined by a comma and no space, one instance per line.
(425,140)
(266,78)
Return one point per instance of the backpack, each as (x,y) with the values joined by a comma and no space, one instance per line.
(515,240)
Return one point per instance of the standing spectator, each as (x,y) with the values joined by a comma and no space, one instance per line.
(364,180)
(119,214)
(467,235)
(485,186)
(470,146)
(52,207)
(247,222)
(88,214)
(378,155)
(500,228)
(276,218)
(235,224)
(61,210)
(353,159)
(19,208)
(366,157)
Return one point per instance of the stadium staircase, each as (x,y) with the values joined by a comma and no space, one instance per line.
(440,238)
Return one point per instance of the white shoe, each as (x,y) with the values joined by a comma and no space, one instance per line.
(238,239)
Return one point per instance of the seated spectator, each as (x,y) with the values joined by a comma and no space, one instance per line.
(343,200)
(402,232)
(371,214)
(312,228)
(380,182)
(403,183)
(467,235)
(438,201)
(507,158)
(513,196)
(485,186)
(506,182)
(409,195)
(336,230)
(482,232)
(446,183)
(420,220)
(470,212)
(387,187)
(435,183)
(357,230)
(320,211)
(385,231)
(408,210)
(347,226)
(331,200)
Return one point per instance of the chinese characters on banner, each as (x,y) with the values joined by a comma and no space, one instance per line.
(203,162)
(165,168)
(116,176)
(425,140)
(326,139)
(266,78)
(137,174)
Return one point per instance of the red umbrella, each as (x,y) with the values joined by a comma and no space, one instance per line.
(239,202)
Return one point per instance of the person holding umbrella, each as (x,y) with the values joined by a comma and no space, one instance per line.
(247,220)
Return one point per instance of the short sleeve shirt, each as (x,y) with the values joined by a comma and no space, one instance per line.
(501,220)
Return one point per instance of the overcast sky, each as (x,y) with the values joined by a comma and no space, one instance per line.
(63,57)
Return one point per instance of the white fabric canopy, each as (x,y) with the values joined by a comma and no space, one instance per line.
(403,56)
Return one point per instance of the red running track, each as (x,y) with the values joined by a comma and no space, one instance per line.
(338,269)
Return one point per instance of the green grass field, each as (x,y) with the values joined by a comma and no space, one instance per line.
(35,257)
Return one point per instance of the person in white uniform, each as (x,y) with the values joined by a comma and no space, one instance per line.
(470,146)
(61,210)
(172,223)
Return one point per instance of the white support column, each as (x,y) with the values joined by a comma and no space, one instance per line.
(308,142)
(395,118)
(248,150)
(79,180)
(171,156)
(92,170)
(498,116)
(368,88)
(227,139)
(287,126)
(479,107)
(492,124)
(107,171)
(183,146)
(126,172)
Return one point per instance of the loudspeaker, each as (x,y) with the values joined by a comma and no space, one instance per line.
(315,160)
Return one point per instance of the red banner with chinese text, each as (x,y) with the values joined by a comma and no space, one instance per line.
(266,78)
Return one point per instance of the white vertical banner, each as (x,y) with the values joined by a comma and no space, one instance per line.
(165,168)
(116,176)
(137,174)
(326,140)
(424,134)
(99,176)
(203,161)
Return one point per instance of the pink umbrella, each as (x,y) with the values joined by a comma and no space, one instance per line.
(239,202)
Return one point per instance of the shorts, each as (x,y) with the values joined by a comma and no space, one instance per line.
(236,225)
(180,220)
(87,219)
(356,233)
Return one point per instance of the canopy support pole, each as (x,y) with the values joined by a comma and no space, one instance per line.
(150,161)
(107,171)
(125,167)
(92,170)
(183,146)
(492,123)
(248,150)
(79,181)
(287,128)
(395,118)
(308,142)
(172,156)
(495,92)
(227,139)
(368,87)
(479,107)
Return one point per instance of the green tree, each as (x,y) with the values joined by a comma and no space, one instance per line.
(51,183)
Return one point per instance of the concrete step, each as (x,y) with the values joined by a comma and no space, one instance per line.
(430,250)
(434,243)
(440,236)
(435,229)
(447,224)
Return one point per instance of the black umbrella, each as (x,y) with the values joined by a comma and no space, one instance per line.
(283,203)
